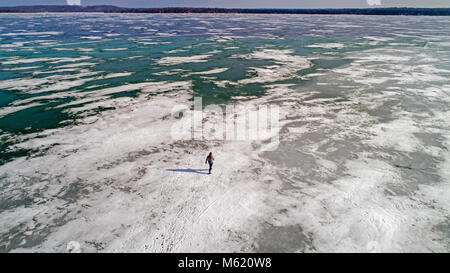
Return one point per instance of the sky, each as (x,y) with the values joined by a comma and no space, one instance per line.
(239,3)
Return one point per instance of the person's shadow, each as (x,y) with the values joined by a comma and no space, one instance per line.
(198,171)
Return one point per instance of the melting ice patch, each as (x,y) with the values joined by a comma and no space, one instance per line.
(328,45)
(286,65)
(32,33)
(180,60)
(15,60)
(212,71)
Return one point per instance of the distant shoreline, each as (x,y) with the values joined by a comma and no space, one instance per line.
(340,11)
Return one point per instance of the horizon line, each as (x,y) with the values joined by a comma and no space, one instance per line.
(110,9)
(229,8)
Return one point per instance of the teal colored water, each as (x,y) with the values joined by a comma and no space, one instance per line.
(49,61)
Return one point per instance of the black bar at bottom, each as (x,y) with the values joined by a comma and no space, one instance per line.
(226,262)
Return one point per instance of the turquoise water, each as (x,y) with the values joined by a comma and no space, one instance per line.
(39,50)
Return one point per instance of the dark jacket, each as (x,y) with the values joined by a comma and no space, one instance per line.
(209,159)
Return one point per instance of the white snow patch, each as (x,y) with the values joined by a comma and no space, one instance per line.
(180,60)
(327,45)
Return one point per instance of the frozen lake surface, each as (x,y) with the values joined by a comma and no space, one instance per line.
(88,161)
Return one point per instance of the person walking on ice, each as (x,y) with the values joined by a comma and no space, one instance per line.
(210,161)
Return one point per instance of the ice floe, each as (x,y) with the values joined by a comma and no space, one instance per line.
(186,59)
